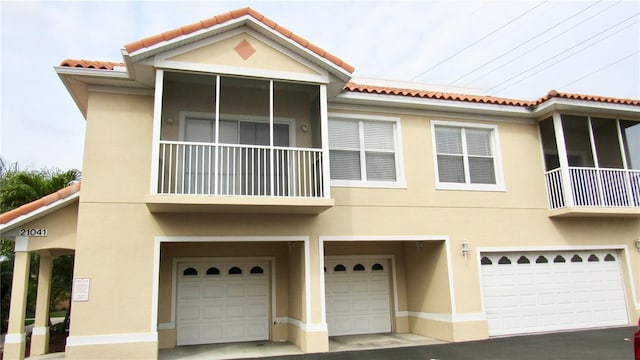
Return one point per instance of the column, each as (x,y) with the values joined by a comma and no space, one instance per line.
(15,341)
(40,335)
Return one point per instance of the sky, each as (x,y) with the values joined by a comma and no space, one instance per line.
(513,49)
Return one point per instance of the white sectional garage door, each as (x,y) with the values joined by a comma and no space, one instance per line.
(548,291)
(222,301)
(357,296)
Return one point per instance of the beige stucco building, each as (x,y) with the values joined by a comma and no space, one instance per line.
(239,184)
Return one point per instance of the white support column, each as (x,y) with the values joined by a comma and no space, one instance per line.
(157,127)
(216,155)
(324,136)
(40,334)
(15,340)
(271,150)
(625,165)
(562,157)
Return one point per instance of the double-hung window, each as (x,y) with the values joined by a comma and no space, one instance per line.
(364,151)
(467,156)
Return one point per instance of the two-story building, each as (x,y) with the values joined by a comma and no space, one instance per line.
(240,184)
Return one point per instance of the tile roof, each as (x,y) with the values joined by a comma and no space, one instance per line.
(37,204)
(382,90)
(91,64)
(234,14)
(353,87)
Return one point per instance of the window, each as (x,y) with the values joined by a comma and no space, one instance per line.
(364,151)
(466,156)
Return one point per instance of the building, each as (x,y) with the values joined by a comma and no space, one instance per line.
(240,184)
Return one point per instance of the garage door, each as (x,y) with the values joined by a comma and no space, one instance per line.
(220,301)
(548,291)
(357,296)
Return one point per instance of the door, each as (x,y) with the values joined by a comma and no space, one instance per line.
(526,292)
(357,296)
(222,301)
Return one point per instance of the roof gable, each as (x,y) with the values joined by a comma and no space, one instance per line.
(40,207)
(181,36)
(239,52)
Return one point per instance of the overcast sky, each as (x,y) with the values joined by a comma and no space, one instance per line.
(515,49)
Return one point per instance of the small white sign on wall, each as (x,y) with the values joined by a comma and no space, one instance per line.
(80,289)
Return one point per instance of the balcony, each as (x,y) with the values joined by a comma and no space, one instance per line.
(593,191)
(226,144)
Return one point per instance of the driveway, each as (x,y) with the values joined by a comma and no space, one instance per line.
(614,343)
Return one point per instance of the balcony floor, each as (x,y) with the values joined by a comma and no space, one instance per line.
(237,204)
(628,212)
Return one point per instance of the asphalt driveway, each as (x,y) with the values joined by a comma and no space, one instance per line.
(615,343)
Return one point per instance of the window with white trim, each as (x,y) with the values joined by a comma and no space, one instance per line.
(466,156)
(364,152)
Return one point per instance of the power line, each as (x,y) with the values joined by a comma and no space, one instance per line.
(600,69)
(563,21)
(564,51)
(536,47)
(479,40)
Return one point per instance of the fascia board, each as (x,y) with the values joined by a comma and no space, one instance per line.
(591,107)
(38,213)
(433,104)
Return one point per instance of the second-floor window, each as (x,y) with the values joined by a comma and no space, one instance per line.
(364,151)
(466,156)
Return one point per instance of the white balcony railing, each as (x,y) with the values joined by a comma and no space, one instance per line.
(239,170)
(594,187)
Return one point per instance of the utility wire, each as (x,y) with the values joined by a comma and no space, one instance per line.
(563,21)
(600,69)
(562,52)
(479,40)
(564,58)
(536,47)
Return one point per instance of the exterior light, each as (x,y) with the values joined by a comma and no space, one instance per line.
(465,249)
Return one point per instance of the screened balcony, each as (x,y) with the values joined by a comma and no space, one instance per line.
(592,165)
(228,143)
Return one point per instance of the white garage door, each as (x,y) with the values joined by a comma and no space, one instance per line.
(222,301)
(548,291)
(357,296)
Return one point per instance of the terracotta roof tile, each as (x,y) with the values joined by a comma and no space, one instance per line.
(555,94)
(436,95)
(234,14)
(37,204)
(91,64)
(353,87)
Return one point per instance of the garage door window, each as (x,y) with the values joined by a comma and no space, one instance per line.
(213,271)
(190,272)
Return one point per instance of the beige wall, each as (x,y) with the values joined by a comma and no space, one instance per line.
(61,229)
(116,231)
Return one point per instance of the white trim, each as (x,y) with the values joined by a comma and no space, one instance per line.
(432,104)
(156,131)
(385,238)
(21,244)
(108,339)
(450,318)
(324,139)
(75,71)
(15,338)
(496,155)
(35,214)
(322,327)
(400,182)
(421,112)
(593,107)
(40,330)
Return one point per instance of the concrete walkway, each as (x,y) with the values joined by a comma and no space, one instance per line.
(257,349)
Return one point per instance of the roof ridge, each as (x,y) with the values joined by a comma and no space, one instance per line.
(34,205)
(225,17)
